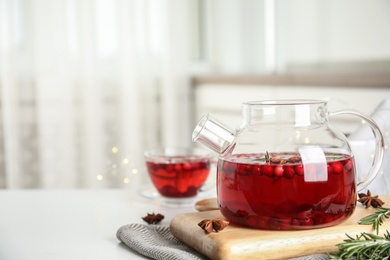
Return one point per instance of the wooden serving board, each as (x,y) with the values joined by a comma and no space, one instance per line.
(236,242)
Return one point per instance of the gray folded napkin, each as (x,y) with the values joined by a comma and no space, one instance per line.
(157,242)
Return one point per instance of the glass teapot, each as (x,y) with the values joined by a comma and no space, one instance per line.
(286,167)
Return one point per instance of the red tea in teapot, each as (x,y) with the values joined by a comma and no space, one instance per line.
(282,192)
(178,176)
(313,186)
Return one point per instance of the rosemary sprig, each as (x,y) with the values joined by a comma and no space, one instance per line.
(266,158)
(376,219)
(364,246)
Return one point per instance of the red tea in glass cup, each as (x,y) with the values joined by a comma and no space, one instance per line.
(178,172)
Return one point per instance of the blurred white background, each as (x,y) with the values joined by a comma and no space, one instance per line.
(86,86)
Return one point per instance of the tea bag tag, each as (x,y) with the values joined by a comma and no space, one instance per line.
(314,164)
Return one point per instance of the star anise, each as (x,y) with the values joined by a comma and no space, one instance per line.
(294,159)
(369,200)
(208,225)
(277,160)
(153,218)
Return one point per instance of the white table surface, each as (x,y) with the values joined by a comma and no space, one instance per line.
(73,224)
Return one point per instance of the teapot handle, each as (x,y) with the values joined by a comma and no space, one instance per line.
(379,148)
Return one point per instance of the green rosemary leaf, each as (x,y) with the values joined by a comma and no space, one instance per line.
(266,158)
(260,159)
(334,156)
(364,246)
(376,219)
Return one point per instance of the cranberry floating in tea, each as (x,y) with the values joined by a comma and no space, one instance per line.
(285,167)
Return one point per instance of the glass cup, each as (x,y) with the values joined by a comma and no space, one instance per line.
(178,172)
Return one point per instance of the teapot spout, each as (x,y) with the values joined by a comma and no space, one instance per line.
(213,134)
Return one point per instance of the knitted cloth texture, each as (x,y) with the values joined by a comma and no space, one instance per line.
(157,242)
